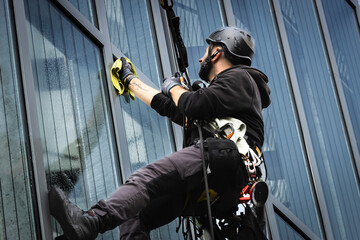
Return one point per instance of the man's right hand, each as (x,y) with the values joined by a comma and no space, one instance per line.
(125,74)
(169,83)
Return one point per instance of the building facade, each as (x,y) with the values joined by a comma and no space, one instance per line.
(62,123)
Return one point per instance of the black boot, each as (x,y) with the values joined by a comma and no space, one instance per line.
(76,223)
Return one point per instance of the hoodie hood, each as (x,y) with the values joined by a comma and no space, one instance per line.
(261,81)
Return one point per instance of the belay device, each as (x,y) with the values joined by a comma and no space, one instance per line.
(255,191)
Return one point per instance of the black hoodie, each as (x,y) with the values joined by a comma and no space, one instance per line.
(240,92)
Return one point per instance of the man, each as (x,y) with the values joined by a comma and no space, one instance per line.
(236,90)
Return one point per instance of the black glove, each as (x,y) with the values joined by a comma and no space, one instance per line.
(125,74)
(169,83)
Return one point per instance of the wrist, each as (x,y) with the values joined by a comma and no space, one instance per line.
(127,80)
(171,86)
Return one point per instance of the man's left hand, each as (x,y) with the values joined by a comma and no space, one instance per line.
(169,83)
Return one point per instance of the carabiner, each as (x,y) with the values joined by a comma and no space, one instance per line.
(162,3)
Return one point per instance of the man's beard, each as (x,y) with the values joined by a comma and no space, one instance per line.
(205,70)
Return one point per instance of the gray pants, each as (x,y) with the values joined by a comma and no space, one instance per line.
(164,183)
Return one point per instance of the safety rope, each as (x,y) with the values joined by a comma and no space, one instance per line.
(182,60)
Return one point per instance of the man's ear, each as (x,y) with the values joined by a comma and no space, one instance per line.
(215,56)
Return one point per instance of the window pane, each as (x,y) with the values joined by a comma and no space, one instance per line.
(16,212)
(86,7)
(336,169)
(198,19)
(286,231)
(132,32)
(147,133)
(74,118)
(344,33)
(288,176)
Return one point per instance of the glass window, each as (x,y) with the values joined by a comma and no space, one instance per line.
(344,34)
(198,19)
(147,133)
(132,31)
(288,176)
(16,211)
(74,118)
(86,7)
(286,231)
(339,183)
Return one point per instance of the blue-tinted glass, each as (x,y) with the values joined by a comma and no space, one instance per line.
(288,176)
(72,103)
(286,232)
(198,19)
(344,32)
(147,133)
(131,30)
(322,112)
(16,212)
(86,7)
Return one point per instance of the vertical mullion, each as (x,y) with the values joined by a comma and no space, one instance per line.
(271,218)
(229,14)
(320,197)
(339,88)
(168,62)
(27,81)
(162,40)
(356,6)
(116,111)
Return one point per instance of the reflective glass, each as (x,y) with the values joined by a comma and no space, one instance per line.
(16,211)
(344,33)
(288,176)
(147,133)
(339,183)
(86,7)
(131,30)
(73,111)
(286,231)
(198,19)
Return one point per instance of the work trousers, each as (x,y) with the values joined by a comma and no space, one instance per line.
(153,195)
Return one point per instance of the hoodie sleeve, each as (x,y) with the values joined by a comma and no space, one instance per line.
(227,95)
(166,107)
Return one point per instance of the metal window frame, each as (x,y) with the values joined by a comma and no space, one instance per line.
(101,37)
(356,6)
(18,18)
(167,60)
(303,125)
(32,119)
(339,91)
(274,206)
(277,208)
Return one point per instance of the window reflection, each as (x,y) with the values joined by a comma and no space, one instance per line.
(286,231)
(288,176)
(131,30)
(75,126)
(87,9)
(344,34)
(16,212)
(147,134)
(198,19)
(323,117)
